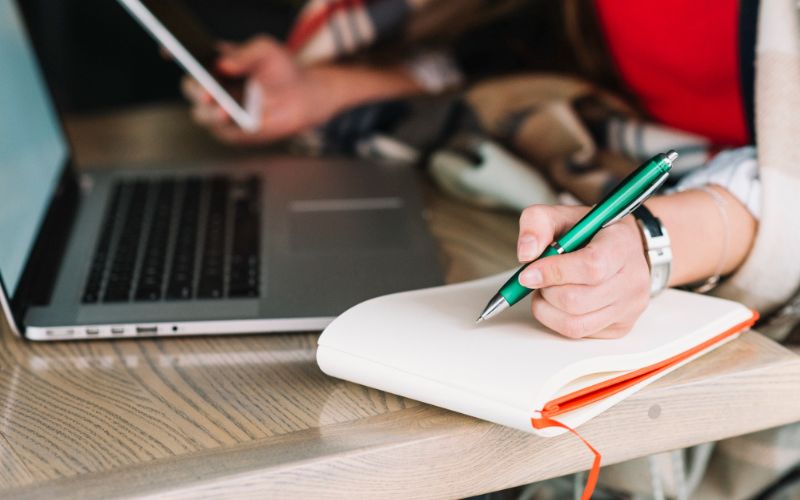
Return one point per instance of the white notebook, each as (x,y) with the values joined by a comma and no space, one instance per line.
(510,370)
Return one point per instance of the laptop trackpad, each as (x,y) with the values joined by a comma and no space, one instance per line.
(348,224)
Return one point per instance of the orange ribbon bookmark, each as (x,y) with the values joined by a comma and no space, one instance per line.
(594,472)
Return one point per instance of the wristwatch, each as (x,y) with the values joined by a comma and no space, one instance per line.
(657,246)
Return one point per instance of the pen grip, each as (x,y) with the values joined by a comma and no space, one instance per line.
(513,291)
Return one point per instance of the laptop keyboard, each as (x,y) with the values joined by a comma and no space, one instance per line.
(178,240)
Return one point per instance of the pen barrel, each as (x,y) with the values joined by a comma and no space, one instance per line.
(635,186)
(617,201)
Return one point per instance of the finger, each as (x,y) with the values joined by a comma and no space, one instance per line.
(194,92)
(188,88)
(590,265)
(572,326)
(598,261)
(209,115)
(243,59)
(277,122)
(583,299)
(281,121)
(230,133)
(539,225)
(615,331)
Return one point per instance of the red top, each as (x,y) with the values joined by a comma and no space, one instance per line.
(680,57)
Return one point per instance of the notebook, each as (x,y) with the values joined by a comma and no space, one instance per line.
(425,345)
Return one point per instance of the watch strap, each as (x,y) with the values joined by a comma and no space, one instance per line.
(658,249)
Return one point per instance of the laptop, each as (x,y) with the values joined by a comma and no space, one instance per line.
(273,244)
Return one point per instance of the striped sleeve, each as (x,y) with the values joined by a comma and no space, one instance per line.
(737,171)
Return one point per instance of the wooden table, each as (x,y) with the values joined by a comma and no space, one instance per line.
(196,417)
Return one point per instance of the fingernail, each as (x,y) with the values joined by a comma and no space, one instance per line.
(526,247)
(531,278)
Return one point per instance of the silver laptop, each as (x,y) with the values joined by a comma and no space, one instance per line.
(263,245)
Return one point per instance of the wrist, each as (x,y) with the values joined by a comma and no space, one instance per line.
(329,95)
(697,234)
(640,248)
(339,87)
(630,222)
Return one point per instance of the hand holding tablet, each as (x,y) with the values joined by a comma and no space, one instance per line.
(296,98)
(257,91)
(176,29)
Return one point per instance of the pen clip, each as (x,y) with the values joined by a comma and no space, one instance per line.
(641,199)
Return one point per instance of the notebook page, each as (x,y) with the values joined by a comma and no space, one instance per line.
(511,359)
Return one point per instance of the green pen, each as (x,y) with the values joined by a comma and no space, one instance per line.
(624,199)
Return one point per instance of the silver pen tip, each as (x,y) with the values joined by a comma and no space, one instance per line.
(480,318)
(672,155)
(495,306)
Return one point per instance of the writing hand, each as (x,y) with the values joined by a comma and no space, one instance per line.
(597,291)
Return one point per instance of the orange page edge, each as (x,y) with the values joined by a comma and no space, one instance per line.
(602,390)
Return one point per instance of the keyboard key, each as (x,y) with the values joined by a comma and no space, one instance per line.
(228,255)
(244,269)
(151,274)
(122,266)
(91,292)
(180,282)
(212,280)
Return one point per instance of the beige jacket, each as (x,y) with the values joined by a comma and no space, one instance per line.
(771,273)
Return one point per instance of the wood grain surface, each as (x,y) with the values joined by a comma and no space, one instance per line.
(254,416)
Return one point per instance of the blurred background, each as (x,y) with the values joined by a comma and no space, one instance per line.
(97,57)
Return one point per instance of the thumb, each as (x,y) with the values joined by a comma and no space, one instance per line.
(240,60)
(539,225)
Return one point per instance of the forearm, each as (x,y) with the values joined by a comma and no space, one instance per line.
(345,86)
(697,232)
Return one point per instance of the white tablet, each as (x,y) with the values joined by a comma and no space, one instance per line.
(194,49)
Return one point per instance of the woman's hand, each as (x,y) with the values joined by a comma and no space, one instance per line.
(598,291)
(293,97)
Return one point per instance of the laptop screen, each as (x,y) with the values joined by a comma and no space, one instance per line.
(33,149)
